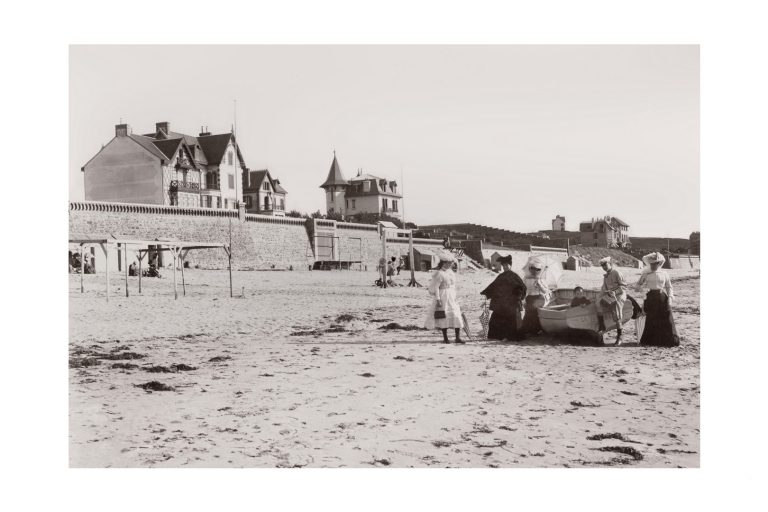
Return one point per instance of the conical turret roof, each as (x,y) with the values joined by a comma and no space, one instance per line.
(334,175)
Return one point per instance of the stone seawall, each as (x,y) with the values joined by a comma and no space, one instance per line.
(258,241)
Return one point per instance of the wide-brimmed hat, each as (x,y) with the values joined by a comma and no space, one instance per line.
(505,259)
(445,256)
(607,259)
(654,257)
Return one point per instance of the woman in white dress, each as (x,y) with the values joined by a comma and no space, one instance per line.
(444,312)
(660,327)
(538,295)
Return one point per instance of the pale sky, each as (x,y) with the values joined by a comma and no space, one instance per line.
(506,136)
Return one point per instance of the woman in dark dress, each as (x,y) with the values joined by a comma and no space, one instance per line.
(506,293)
(660,330)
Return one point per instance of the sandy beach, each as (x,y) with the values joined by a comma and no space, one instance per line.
(323,369)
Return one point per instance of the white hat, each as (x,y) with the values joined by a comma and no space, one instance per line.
(445,256)
(654,257)
(607,259)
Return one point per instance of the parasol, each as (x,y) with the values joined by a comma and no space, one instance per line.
(551,269)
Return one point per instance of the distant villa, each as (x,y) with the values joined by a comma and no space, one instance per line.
(365,193)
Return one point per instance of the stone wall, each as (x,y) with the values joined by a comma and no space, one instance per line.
(258,241)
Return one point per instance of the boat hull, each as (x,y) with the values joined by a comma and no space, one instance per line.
(559,318)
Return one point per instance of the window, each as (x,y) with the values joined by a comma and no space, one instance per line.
(218,202)
(248,202)
(265,186)
(231,180)
(346,204)
(353,204)
(394,205)
(266,203)
(174,200)
(384,204)
(229,157)
(282,204)
(226,204)
(367,186)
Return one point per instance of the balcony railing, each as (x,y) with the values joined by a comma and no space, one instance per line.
(211,186)
(181,186)
(271,207)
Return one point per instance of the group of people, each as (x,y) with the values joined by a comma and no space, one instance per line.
(388,269)
(76,265)
(515,300)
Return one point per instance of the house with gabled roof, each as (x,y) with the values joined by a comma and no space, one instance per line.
(364,193)
(605,232)
(263,194)
(167,168)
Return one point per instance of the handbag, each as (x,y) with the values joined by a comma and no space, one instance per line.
(439,312)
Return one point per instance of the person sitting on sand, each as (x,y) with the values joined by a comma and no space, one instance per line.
(444,312)
(579,298)
(612,298)
(506,293)
(660,327)
(132,269)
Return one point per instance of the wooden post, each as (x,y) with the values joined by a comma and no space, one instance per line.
(183,283)
(82,268)
(411,261)
(141,257)
(229,258)
(125,248)
(175,291)
(105,248)
(384,256)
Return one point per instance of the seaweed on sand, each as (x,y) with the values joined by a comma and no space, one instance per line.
(155,386)
(396,326)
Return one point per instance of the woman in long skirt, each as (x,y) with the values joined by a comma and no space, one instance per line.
(538,295)
(506,293)
(444,312)
(660,327)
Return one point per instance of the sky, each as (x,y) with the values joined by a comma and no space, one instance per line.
(506,136)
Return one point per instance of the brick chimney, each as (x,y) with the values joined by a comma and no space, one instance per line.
(163,125)
(204,132)
(121,130)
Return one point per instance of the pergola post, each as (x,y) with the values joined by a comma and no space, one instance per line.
(125,249)
(141,257)
(82,268)
(105,249)
(229,259)
(183,283)
(175,290)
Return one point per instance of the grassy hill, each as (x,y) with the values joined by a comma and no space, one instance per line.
(650,244)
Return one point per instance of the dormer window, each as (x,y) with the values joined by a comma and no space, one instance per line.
(265,186)
(367,186)
(229,158)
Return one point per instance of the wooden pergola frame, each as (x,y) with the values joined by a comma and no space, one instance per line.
(177,248)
